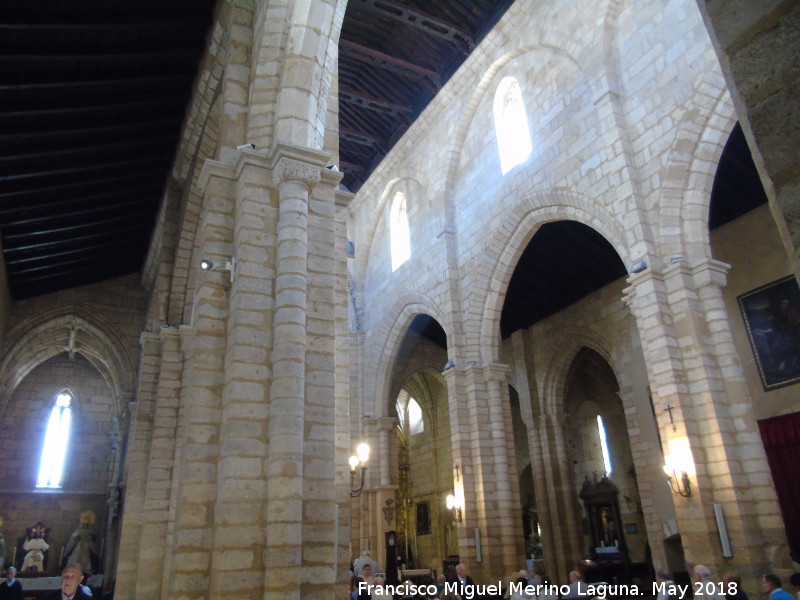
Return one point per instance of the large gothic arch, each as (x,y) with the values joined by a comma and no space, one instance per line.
(70,329)
(483,319)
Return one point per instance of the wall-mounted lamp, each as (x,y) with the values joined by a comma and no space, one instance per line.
(678,465)
(454,507)
(678,481)
(210,265)
(362,451)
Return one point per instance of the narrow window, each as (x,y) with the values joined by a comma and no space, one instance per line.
(415,423)
(51,466)
(398,229)
(601,430)
(511,125)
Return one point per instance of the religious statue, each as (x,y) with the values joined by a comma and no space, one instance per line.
(35,547)
(81,548)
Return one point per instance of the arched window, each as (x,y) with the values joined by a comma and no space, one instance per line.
(601,430)
(410,415)
(398,229)
(511,125)
(415,422)
(56,438)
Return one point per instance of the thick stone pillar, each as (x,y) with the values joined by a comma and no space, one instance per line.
(480,415)
(158,495)
(703,410)
(197,446)
(296,172)
(505,545)
(135,478)
(238,542)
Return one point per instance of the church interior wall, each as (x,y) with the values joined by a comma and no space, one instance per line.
(88,462)
(116,309)
(754,249)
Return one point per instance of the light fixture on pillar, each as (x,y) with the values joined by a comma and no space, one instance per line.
(210,265)
(454,506)
(678,481)
(678,465)
(362,452)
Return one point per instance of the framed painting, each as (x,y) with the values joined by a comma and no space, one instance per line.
(772,319)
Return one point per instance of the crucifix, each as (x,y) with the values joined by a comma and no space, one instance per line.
(456,468)
(669,409)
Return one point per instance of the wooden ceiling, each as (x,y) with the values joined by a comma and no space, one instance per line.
(92,98)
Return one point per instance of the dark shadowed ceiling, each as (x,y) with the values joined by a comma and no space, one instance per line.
(92,98)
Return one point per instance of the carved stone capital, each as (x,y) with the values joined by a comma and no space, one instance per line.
(288,169)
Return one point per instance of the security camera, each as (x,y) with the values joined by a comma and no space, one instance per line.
(246,147)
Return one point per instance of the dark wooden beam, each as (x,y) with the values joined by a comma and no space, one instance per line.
(384,61)
(385,107)
(83,169)
(94,210)
(17,264)
(359,137)
(118,180)
(79,239)
(429,25)
(128,216)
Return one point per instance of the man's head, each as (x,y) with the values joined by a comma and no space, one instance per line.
(461,570)
(574,576)
(366,571)
(770,582)
(701,573)
(379,580)
(11,573)
(70,578)
(732,577)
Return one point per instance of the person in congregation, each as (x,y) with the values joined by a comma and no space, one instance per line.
(733,586)
(706,589)
(11,588)
(771,585)
(71,589)
(577,588)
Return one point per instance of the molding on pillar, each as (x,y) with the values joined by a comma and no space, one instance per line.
(296,163)
(496,372)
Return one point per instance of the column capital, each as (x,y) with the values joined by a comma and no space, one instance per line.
(496,372)
(295,163)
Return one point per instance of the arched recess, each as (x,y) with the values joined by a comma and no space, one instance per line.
(591,390)
(423,459)
(69,329)
(688,178)
(380,358)
(507,245)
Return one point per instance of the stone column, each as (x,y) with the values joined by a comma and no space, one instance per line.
(139,439)
(342,393)
(158,496)
(197,446)
(504,544)
(697,387)
(478,397)
(730,458)
(295,174)
(237,560)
